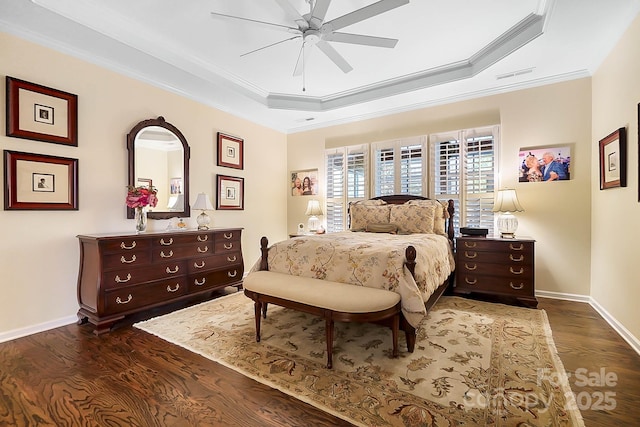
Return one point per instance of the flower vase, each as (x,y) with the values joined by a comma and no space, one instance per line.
(141,219)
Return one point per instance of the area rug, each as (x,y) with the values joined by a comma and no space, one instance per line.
(475,363)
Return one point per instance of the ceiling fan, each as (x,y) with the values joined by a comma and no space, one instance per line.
(314,31)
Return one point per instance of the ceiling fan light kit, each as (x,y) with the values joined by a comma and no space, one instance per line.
(313,31)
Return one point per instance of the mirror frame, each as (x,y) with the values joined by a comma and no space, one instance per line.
(131,138)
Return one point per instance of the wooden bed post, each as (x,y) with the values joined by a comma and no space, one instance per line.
(264,242)
(410,255)
(451,209)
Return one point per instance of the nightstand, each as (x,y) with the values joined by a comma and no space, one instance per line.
(496,267)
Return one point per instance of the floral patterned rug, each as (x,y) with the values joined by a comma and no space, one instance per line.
(475,363)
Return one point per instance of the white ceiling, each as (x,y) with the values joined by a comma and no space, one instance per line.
(447,51)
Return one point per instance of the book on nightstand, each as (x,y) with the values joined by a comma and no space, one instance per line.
(474,231)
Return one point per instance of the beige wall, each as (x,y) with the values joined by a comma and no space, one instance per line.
(39,251)
(615,277)
(556,214)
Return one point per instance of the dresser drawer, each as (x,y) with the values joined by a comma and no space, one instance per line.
(184,251)
(131,258)
(134,275)
(516,286)
(213,262)
(511,257)
(185,239)
(215,279)
(227,236)
(134,297)
(125,244)
(504,270)
(479,244)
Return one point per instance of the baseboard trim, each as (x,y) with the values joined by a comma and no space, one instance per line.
(34,329)
(626,335)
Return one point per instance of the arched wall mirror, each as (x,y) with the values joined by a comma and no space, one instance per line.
(159,156)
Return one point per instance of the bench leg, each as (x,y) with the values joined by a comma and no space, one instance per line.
(264,310)
(329,336)
(258,309)
(395,328)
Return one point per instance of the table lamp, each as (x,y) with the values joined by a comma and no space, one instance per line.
(505,203)
(313,210)
(204,204)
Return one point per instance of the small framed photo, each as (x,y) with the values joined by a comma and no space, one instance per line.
(613,160)
(175,186)
(304,182)
(41,113)
(144,182)
(230,193)
(39,182)
(230,151)
(544,164)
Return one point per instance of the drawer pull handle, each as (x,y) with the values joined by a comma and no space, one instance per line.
(119,280)
(516,272)
(203,238)
(163,243)
(470,244)
(230,246)
(228,236)
(124,246)
(170,271)
(470,282)
(232,259)
(119,301)
(513,248)
(204,280)
(169,255)
(234,274)
(472,267)
(125,261)
(520,258)
(195,264)
(206,249)
(470,255)
(173,290)
(516,287)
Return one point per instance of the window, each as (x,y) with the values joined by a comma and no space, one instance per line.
(461,166)
(347,172)
(398,167)
(464,169)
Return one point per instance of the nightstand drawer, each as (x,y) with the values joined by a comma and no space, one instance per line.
(503,270)
(470,255)
(483,245)
(495,285)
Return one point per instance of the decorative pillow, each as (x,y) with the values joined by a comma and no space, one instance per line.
(413,218)
(362,214)
(440,216)
(376,202)
(382,228)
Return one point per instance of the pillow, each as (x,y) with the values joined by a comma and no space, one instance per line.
(440,216)
(382,228)
(376,202)
(413,218)
(363,214)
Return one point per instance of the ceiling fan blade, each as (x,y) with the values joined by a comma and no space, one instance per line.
(334,56)
(293,14)
(254,21)
(360,39)
(364,13)
(319,12)
(269,45)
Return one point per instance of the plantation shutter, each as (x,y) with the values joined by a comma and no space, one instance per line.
(399,166)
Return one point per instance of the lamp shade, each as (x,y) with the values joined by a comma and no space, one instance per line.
(203,203)
(176,202)
(507,201)
(313,208)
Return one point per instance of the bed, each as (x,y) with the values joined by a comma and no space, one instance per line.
(399,243)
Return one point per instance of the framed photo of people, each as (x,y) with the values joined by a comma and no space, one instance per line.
(544,164)
(304,182)
(613,159)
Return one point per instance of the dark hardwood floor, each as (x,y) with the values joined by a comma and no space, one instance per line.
(68,376)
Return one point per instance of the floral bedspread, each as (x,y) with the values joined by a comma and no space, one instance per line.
(369,259)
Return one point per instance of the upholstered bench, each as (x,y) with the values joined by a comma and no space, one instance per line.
(331,300)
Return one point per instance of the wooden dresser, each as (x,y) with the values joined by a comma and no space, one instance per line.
(498,267)
(121,274)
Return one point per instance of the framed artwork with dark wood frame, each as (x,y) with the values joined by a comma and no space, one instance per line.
(613,160)
(39,182)
(230,193)
(41,113)
(230,151)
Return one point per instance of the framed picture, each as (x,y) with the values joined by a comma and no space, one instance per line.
(230,151)
(613,160)
(144,182)
(175,186)
(39,182)
(304,182)
(230,193)
(544,164)
(41,113)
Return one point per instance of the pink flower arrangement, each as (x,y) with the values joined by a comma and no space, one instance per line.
(139,197)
